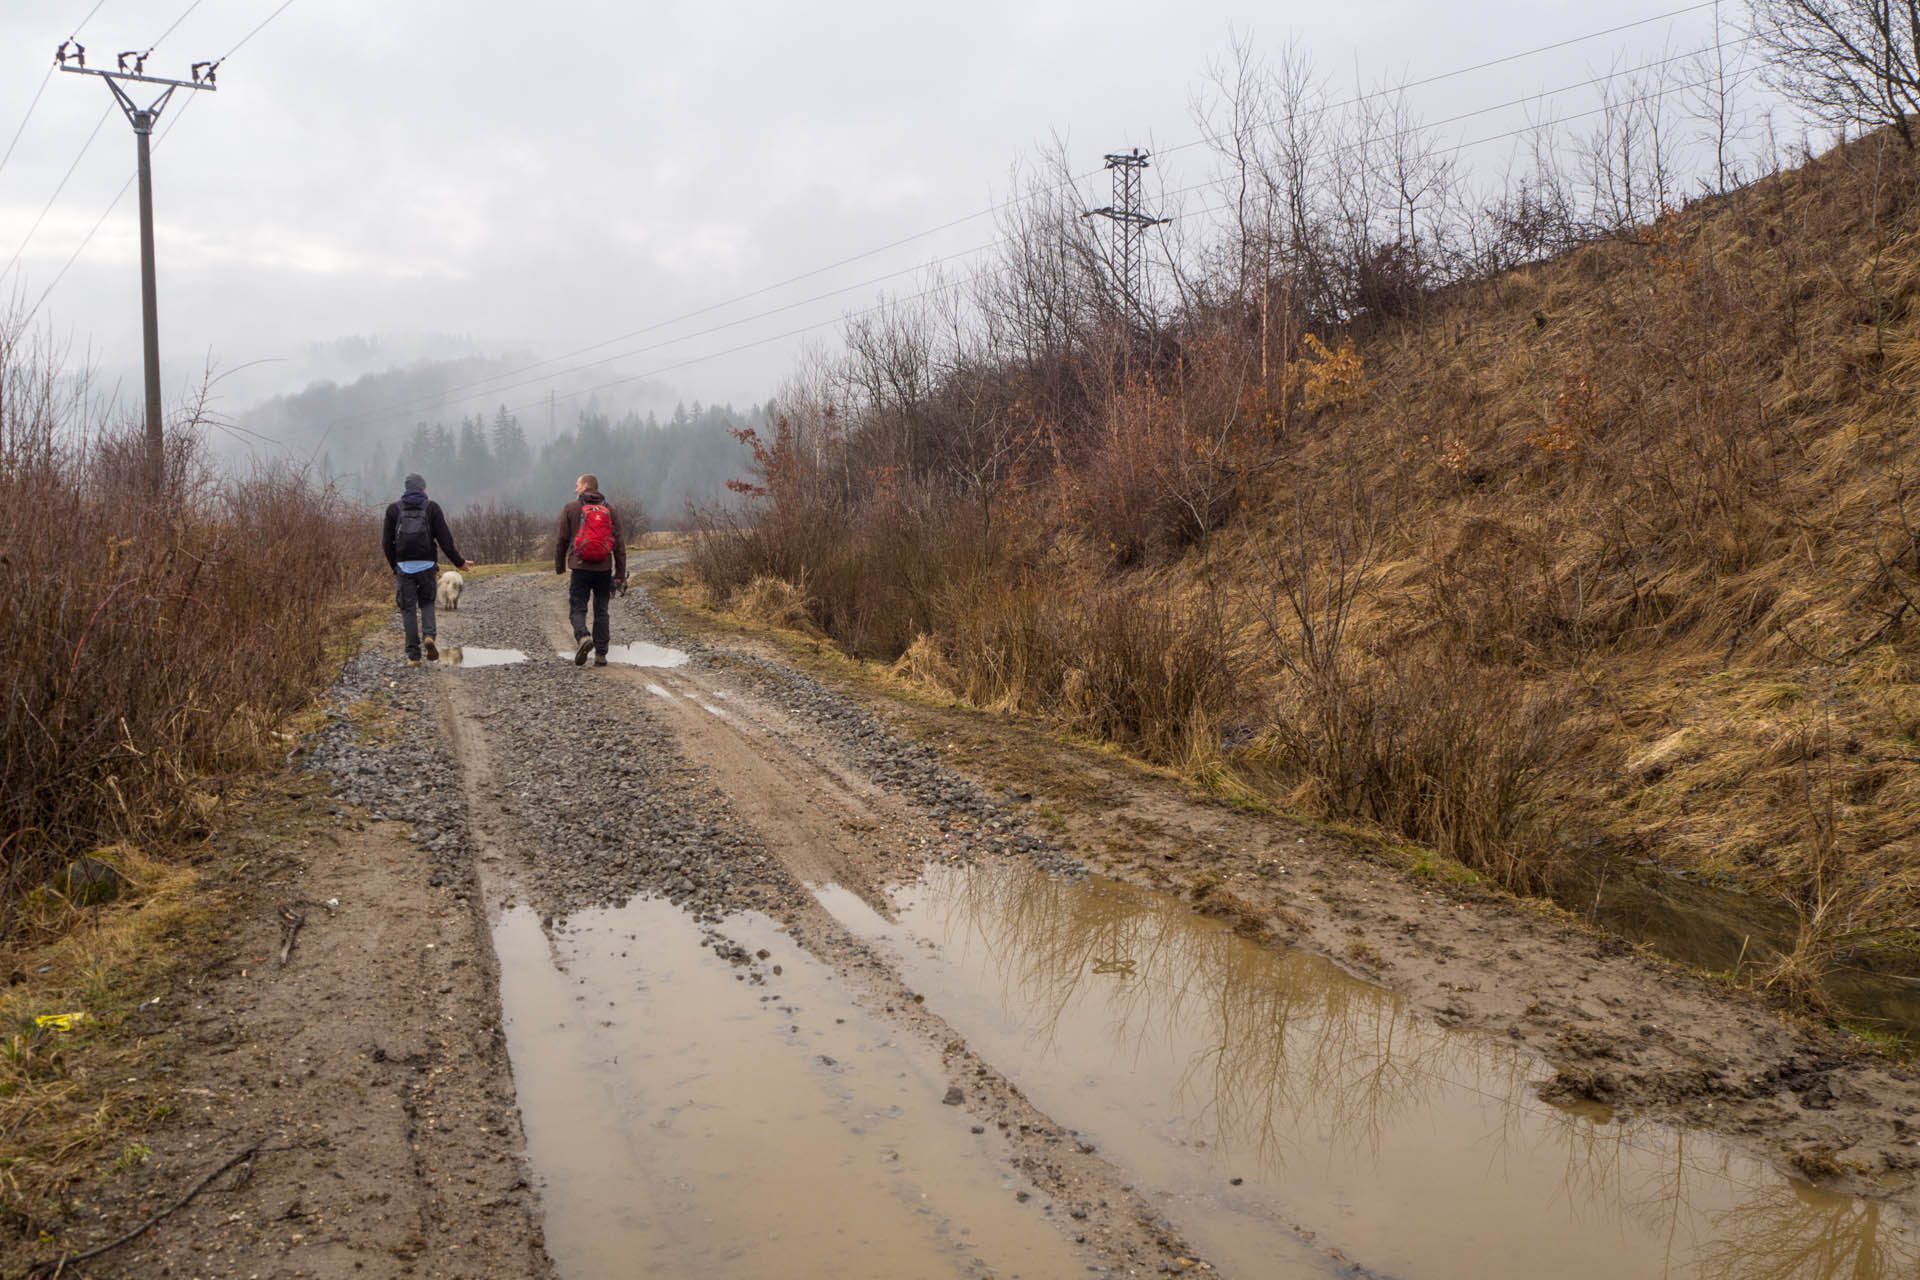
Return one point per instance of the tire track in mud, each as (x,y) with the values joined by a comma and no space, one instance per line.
(588,786)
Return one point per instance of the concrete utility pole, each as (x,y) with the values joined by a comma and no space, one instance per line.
(1129,227)
(143,119)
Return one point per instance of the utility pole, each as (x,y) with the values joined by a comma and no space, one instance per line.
(143,119)
(1129,228)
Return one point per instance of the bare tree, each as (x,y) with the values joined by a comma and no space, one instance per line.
(1850,62)
(1719,73)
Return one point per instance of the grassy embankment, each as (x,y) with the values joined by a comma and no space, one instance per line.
(1617,552)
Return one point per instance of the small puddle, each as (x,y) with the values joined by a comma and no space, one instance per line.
(1244,1089)
(1721,929)
(469,655)
(684,1120)
(639,654)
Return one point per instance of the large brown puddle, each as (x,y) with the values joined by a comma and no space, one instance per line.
(1249,1091)
(685,1120)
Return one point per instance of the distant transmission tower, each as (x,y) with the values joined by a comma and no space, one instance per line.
(142,119)
(1129,228)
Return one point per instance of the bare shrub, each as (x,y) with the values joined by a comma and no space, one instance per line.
(1432,748)
(1849,61)
(494,533)
(1428,744)
(1150,675)
(152,639)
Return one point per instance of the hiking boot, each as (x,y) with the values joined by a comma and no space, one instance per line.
(599,659)
(413,662)
(433,653)
(581,651)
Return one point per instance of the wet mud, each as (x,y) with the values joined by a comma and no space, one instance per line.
(944,1050)
(689,1114)
(1248,1087)
(1727,931)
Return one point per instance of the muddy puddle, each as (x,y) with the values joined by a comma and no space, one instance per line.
(689,1116)
(1722,930)
(1248,1091)
(468,655)
(639,654)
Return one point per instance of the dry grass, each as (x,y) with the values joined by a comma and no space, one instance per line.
(69,1098)
(1619,545)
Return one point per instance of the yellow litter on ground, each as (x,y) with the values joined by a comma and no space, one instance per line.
(60,1021)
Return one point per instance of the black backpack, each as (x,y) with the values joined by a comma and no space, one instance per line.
(413,534)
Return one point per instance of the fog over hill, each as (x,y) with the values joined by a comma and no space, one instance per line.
(487,428)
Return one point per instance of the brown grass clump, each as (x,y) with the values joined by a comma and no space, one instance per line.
(777,603)
(923,664)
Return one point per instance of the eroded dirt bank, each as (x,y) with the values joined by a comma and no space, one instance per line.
(797,987)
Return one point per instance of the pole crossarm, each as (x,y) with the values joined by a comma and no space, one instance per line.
(139,79)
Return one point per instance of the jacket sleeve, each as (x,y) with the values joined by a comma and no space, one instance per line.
(619,545)
(444,536)
(386,536)
(562,536)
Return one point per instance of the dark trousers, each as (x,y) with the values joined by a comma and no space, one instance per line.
(415,591)
(598,584)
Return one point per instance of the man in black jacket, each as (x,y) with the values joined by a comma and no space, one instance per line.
(415,528)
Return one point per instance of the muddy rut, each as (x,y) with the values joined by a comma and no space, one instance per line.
(785,995)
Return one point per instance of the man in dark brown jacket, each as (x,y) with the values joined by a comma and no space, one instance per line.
(577,546)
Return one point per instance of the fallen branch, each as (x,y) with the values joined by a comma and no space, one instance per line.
(290,922)
(54,1268)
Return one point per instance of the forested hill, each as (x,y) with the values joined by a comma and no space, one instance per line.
(663,465)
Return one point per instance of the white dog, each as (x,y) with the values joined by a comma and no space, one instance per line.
(448,596)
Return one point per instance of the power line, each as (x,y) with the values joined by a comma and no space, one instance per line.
(257,30)
(176,22)
(1478,66)
(949,225)
(84,148)
(125,186)
(492,384)
(90,137)
(446,397)
(81,25)
(23,123)
(104,215)
(990,271)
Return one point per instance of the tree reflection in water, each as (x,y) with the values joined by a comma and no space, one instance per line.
(1284,1056)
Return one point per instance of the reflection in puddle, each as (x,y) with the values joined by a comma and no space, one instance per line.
(683,1122)
(638,654)
(1246,1089)
(470,655)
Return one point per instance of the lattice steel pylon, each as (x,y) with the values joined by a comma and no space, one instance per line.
(1129,229)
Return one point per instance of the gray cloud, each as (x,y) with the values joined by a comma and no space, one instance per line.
(543,182)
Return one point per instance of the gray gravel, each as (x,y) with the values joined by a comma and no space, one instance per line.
(381,745)
(608,804)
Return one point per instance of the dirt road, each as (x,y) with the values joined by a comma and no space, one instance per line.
(691,965)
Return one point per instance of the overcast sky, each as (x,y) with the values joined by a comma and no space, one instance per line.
(473,177)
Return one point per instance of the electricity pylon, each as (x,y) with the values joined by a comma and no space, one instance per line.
(1129,228)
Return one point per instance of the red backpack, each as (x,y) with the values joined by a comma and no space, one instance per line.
(593,542)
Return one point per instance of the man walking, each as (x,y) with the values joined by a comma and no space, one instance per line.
(415,534)
(589,542)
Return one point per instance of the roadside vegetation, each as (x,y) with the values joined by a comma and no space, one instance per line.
(157,640)
(1568,520)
